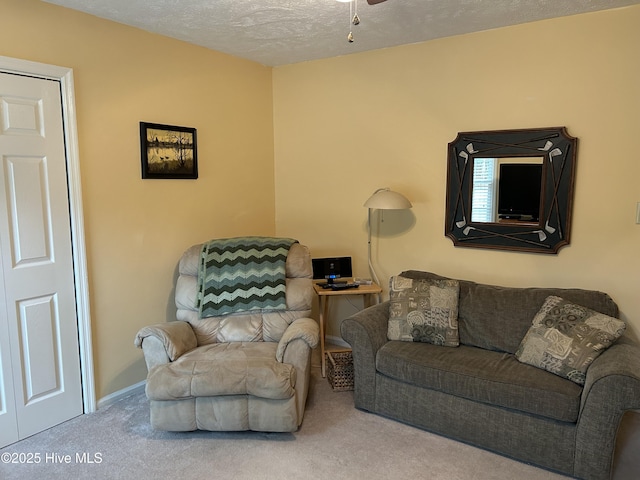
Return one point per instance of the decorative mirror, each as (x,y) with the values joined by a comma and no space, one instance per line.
(511,189)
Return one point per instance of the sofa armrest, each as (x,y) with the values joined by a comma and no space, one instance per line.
(171,339)
(366,332)
(302,328)
(612,387)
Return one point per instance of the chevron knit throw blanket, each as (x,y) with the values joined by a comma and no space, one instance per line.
(242,274)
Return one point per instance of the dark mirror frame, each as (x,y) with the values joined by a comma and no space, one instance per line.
(553,230)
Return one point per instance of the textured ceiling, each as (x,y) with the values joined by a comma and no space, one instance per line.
(280,32)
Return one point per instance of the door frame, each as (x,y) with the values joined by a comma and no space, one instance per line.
(65,76)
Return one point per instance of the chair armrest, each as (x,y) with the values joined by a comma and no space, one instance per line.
(612,387)
(295,348)
(302,328)
(366,332)
(176,338)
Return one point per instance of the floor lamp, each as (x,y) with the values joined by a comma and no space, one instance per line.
(383,199)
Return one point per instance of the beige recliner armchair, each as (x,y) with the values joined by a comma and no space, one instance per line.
(245,370)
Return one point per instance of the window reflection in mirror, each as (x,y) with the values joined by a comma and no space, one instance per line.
(506,189)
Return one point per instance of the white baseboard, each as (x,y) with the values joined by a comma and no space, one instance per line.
(120,394)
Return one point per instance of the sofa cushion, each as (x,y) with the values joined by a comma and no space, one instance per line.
(423,310)
(243,368)
(566,338)
(483,376)
(497,318)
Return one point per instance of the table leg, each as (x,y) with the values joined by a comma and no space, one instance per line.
(368,299)
(323,313)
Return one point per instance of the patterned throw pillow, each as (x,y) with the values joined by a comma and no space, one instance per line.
(423,310)
(566,338)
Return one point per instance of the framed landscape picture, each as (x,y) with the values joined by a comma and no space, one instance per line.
(168,151)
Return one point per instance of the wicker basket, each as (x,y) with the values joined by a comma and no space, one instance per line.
(340,371)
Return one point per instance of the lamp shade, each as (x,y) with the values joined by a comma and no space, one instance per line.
(386,199)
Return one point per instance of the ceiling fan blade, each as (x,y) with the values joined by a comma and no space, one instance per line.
(374,2)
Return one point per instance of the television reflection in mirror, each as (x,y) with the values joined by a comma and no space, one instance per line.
(506,189)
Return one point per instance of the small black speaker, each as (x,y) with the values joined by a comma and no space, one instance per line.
(331,268)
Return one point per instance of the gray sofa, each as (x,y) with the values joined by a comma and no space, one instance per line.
(481,394)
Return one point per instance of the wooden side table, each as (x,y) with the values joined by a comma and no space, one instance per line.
(368,291)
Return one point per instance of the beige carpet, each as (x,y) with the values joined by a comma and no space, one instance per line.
(336,441)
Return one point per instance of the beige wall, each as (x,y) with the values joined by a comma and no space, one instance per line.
(137,229)
(349,125)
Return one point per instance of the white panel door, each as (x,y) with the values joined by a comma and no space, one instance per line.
(40,376)
(8,419)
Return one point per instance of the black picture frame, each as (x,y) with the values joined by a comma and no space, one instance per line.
(168,151)
(553,228)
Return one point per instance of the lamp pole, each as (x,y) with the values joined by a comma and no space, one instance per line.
(372,272)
